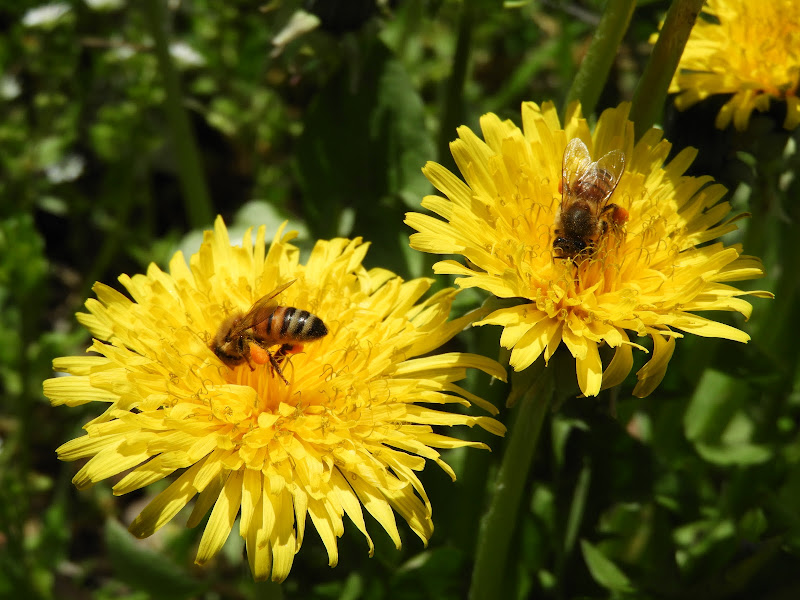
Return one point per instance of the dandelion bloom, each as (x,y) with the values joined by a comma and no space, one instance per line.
(748,49)
(647,278)
(347,431)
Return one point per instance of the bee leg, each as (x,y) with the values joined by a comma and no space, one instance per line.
(618,215)
(284,354)
(286,350)
(276,367)
(262,356)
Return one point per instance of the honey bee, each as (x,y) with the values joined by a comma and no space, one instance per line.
(586,187)
(247,337)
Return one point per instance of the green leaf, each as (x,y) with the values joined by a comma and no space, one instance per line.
(740,454)
(363,147)
(710,406)
(717,423)
(430,574)
(145,570)
(603,570)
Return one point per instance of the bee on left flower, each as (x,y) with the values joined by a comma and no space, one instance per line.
(247,337)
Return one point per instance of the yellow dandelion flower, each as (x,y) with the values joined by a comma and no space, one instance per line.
(647,276)
(347,431)
(748,49)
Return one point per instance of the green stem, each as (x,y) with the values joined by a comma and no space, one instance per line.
(501,520)
(651,92)
(452,111)
(197,202)
(472,482)
(593,72)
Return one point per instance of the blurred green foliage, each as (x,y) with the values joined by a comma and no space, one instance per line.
(691,493)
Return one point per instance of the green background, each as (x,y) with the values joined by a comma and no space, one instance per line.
(106,166)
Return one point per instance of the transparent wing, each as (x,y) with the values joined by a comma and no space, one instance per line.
(258,312)
(608,171)
(576,162)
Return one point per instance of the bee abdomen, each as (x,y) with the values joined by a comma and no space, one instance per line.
(301,325)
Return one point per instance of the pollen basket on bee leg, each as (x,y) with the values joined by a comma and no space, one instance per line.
(258,355)
(620,215)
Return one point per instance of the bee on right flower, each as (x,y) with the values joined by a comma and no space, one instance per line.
(586,187)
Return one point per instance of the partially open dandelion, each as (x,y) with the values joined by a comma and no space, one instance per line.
(646,276)
(347,430)
(748,49)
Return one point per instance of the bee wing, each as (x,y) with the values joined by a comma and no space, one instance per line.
(610,168)
(575,164)
(250,319)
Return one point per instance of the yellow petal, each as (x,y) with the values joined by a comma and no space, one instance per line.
(166,505)
(252,488)
(74,391)
(590,370)
(282,540)
(259,555)
(651,374)
(221,520)
(619,367)
(377,506)
(351,505)
(323,524)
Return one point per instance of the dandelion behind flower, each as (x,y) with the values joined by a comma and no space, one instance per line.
(748,49)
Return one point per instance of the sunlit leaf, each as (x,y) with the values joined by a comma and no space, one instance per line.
(603,570)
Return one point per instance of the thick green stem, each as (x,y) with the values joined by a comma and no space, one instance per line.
(501,520)
(452,111)
(593,72)
(650,94)
(472,482)
(197,202)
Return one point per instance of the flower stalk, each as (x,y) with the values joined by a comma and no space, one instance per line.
(593,72)
(197,202)
(452,112)
(499,523)
(651,92)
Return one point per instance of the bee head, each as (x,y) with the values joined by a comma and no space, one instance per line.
(568,247)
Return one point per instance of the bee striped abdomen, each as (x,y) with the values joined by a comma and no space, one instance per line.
(301,325)
(287,323)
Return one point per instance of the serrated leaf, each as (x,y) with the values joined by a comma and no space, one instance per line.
(603,570)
